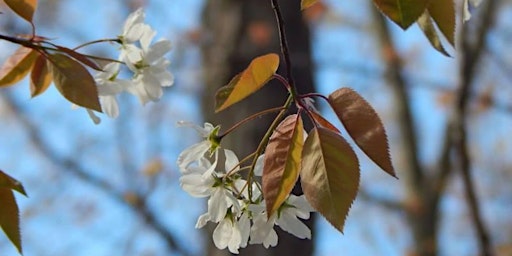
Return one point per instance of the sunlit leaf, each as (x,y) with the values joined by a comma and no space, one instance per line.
(363,125)
(402,12)
(17,66)
(443,13)
(74,81)
(24,8)
(255,76)
(282,162)
(426,25)
(80,57)
(9,182)
(307,3)
(323,122)
(329,175)
(40,77)
(9,217)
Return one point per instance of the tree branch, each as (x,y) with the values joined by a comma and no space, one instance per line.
(138,204)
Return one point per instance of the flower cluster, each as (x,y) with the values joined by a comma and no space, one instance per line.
(145,60)
(240,215)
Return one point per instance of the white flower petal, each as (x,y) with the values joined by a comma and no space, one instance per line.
(222,234)
(202,220)
(232,162)
(193,153)
(158,50)
(258,168)
(109,105)
(289,223)
(217,205)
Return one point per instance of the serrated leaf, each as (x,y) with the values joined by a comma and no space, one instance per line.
(40,77)
(17,66)
(426,25)
(9,217)
(443,13)
(304,4)
(255,76)
(74,81)
(402,12)
(9,182)
(329,175)
(363,125)
(24,8)
(323,122)
(282,162)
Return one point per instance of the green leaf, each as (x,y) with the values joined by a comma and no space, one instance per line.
(9,182)
(74,81)
(304,4)
(40,77)
(255,76)
(24,8)
(363,125)
(9,217)
(402,12)
(329,175)
(17,66)
(282,162)
(443,13)
(427,26)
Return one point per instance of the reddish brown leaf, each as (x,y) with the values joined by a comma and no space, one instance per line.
(363,125)
(323,122)
(17,66)
(80,57)
(40,77)
(9,217)
(282,162)
(9,182)
(74,81)
(329,175)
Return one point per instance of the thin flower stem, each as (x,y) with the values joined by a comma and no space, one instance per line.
(115,40)
(259,114)
(309,95)
(264,141)
(283,81)
(232,171)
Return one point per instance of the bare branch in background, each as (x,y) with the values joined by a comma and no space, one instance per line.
(134,201)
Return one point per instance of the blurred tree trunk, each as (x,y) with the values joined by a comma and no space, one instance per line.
(236,32)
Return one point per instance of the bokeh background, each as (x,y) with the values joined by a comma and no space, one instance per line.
(113,188)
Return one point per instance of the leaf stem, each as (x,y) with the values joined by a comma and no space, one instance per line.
(109,40)
(252,117)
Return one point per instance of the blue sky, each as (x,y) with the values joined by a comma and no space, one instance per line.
(76,219)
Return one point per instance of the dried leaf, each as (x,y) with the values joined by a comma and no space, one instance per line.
(363,125)
(40,77)
(24,8)
(282,162)
(74,81)
(17,66)
(329,175)
(255,76)
(403,12)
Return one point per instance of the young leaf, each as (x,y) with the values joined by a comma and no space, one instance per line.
(363,125)
(74,81)
(426,25)
(40,77)
(319,119)
(329,175)
(17,66)
(9,217)
(282,162)
(443,13)
(80,57)
(24,8)
(9,182)
(255,76)
(402,12)
(304,4)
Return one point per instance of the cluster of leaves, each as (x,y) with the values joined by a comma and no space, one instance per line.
(325,161)
(48,62)
(436,18)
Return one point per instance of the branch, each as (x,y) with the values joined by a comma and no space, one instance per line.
(470,56)
(386,203)
(75,168)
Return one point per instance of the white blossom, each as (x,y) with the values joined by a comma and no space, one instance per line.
(197,151)
(474,3)
(109,87)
